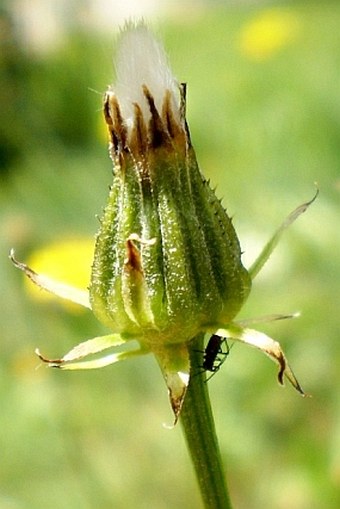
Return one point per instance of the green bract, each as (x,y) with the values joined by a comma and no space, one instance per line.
(167,262)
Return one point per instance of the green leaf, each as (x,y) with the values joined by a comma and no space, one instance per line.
(268,346)
(90,347)
(61,290)
(270,246)
(174,362)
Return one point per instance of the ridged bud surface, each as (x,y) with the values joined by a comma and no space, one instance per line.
(167,259)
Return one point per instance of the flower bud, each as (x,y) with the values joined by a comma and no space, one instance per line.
(167,261)
(167,264)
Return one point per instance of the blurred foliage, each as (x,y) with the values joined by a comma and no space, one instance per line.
(265,130)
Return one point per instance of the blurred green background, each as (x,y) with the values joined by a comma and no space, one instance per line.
(264,111)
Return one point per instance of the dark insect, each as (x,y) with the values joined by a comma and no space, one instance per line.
(214,355)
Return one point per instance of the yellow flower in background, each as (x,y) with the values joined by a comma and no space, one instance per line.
(267,32)
(68,260)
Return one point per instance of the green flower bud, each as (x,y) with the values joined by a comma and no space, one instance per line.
(167,261)
(167,264)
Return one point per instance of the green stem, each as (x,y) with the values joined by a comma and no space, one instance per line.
(199,429)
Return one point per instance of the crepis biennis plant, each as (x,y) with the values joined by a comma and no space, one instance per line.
(167,260)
